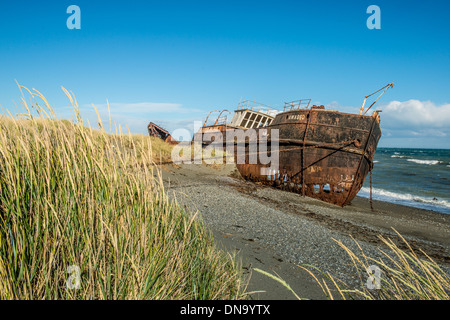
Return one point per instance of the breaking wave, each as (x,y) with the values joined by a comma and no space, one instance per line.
(413,200)
(429,162)
(397,156)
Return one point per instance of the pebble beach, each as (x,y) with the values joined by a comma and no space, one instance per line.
(276,231)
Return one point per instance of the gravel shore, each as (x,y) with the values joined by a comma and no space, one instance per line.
(275,231)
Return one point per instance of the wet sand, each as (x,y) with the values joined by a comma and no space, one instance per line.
(276,231)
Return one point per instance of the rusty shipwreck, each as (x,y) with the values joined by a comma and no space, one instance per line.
(158,132)
(323,154)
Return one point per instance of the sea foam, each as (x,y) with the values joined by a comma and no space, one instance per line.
(389,195)
(429,162)
(397,156)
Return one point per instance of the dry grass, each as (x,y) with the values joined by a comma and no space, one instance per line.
(404,275)
(71,195)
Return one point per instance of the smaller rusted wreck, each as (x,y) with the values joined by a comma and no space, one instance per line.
(158,132)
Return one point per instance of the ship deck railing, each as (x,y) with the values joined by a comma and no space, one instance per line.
(297,104)
(254,106)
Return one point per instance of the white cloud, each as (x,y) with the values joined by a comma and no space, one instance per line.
(407,114)
(421,124)
(410,123)
(415,113)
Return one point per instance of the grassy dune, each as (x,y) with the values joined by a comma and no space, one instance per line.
(74,196)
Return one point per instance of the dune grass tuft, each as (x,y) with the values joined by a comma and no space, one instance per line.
(74,196)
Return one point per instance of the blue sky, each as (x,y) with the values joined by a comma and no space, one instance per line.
(171,62)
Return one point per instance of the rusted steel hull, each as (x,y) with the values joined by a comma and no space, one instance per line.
(323,154)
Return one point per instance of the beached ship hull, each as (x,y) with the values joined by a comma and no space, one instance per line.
(322,154)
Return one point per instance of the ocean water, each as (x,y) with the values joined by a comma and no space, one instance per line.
(412,177)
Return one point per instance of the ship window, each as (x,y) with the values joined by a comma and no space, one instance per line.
(316,188)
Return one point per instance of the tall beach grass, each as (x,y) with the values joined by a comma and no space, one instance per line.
(74,196)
